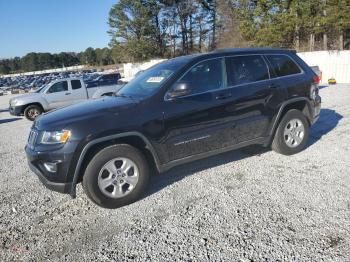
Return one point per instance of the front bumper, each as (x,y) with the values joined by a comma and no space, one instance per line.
(54,186)
(16,110)
(61,179)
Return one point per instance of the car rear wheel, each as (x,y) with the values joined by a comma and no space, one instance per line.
(292,133)
(116,176)
(33,111)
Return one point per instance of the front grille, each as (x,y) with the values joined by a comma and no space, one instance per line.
(32,138)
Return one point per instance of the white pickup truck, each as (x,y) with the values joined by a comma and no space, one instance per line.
(59,93)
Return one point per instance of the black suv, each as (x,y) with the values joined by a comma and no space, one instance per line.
(178,111)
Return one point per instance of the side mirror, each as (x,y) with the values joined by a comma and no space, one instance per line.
(179,89)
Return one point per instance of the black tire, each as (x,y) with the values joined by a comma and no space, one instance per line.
(279,143)
(33,111)
(91,176)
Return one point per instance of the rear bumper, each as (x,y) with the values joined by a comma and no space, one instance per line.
(316,109)
(16,110)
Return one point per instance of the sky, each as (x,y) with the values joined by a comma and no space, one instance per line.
(52,26)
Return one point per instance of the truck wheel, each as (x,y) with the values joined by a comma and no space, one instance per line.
(292,133)
(116,176)
(32,111)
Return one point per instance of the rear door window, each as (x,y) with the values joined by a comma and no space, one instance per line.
(76,84)
(283,65)
(246,69)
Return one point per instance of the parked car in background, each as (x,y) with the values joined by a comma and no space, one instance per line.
(178,111)
(59,93)
(104,80)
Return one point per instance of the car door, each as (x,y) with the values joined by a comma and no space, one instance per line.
(289,74)
(192,123)
(254,98)
(56,94)
(78,92)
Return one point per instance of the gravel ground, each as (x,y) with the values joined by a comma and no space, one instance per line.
(247,205)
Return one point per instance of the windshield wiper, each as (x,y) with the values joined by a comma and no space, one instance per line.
(122,95)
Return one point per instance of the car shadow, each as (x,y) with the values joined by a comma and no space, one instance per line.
(8,120)
(160,181)
(328,120)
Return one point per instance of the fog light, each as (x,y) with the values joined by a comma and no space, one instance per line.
(51,167)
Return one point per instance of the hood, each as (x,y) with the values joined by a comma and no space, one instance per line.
(25,96)
(90,110)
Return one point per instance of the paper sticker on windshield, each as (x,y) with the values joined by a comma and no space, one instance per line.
(155,79)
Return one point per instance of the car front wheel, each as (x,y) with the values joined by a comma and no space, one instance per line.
(116,176)
(33,111)
(292,133)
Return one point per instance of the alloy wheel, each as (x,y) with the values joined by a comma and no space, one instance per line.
(118,177)
(294,133)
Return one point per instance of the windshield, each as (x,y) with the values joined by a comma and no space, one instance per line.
(149,82)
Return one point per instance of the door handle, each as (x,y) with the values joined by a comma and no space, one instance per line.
(67,93)
(223,96)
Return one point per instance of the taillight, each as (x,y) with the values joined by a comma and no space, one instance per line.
(316,79)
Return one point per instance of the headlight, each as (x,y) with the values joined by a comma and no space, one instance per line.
(55,137)
(13,102)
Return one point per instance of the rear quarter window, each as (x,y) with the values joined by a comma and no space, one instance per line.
(76,84)
(283,65)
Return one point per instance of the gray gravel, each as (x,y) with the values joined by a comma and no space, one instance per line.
(247,205)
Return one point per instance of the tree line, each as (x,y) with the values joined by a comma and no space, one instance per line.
(144,29)
(41,61)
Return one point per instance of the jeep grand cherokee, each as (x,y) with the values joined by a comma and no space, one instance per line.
(178,111)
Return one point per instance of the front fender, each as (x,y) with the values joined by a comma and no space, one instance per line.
(31,99)
(104,139)
(44,104)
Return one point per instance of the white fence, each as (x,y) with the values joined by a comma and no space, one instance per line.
(332,64)
(130,69)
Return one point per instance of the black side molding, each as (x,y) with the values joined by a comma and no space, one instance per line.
(104,139)
(283,105)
